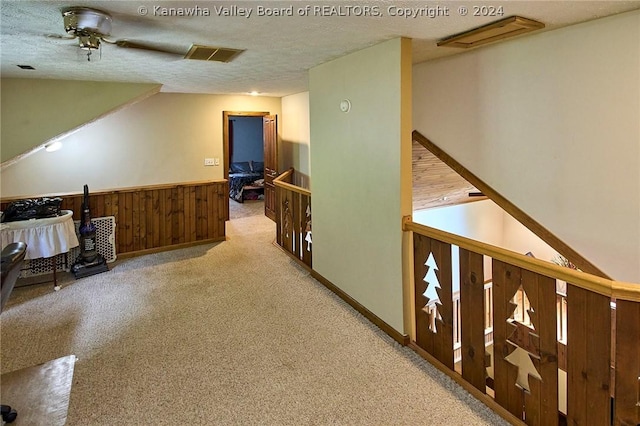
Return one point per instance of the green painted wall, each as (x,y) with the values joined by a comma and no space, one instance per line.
(361,166)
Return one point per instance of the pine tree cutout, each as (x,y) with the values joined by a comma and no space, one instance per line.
(431,293)
(522,359)
(523,339)
(307,229)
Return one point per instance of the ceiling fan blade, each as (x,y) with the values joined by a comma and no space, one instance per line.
(130,44)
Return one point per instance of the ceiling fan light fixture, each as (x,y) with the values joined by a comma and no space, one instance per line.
(84,20)
(90,48)
(89,41)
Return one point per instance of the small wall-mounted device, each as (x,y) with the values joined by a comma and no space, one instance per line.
(345,105)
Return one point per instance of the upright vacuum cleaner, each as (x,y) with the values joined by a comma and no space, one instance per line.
(89,262)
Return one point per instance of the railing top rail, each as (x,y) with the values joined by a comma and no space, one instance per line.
(606,287)
(279,181)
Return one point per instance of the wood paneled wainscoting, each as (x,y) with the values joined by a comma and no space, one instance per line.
(159,217)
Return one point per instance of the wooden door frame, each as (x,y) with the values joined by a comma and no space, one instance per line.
(225,133)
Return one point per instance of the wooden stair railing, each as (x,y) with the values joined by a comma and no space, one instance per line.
(293,218)
(526,354)
(535,227)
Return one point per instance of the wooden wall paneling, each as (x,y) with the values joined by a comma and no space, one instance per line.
(472,318)
(541,403)
(200,211)
(128,199)
(223,208)
(435,184)
(136,220)
(627,392)
(588,359)
(98,206)
(168,216)
(142,219)
(156,217)
(203,213)
(176,211)
(212,203)
(506,281)
(193,231)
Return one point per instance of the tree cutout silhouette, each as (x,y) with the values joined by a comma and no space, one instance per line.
(287,217)
(522,359)
(431,293)
(524,339)
(307,229)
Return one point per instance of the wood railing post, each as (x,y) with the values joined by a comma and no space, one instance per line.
(506,281)
(627,367)
(472,318)
(435,337)
(588,358)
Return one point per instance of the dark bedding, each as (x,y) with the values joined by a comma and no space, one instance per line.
(237,182)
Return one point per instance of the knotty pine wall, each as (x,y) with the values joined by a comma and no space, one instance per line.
(155,218)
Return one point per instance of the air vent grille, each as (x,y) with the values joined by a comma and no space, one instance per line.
(210,53)
(499,30)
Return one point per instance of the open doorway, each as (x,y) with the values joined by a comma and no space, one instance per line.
(250,162)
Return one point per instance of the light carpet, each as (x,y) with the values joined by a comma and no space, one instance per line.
(233,333)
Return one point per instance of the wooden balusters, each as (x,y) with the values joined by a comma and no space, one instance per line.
(538,335)
(438,340)
(588,357)
(472,312)
(627,392)
(293,218)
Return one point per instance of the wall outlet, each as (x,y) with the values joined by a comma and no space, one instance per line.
(209,161)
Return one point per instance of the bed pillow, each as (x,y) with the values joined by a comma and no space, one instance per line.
(241,167)
(257,166)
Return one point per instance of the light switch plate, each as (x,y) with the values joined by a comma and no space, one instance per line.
(209,162)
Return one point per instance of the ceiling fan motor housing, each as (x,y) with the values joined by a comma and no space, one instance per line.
(83,21)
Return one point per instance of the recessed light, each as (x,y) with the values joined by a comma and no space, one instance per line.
(26,67)
(254,93)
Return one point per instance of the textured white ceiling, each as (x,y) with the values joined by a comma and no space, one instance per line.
(279,49)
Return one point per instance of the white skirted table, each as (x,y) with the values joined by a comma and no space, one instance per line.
(45,238)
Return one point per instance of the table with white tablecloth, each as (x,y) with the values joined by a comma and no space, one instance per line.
(45,238)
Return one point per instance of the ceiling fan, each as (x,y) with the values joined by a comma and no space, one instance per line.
(92,27)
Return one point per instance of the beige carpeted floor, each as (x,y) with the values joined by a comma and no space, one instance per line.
(225,334)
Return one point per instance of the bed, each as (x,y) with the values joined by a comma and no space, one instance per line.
(245,175)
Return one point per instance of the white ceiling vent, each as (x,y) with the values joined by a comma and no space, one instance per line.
(210,53)
(499,30)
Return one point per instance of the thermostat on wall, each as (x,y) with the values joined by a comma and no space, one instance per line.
(345,105)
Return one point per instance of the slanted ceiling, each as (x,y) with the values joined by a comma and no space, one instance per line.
(467,176)
(36,112)
(435,184)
